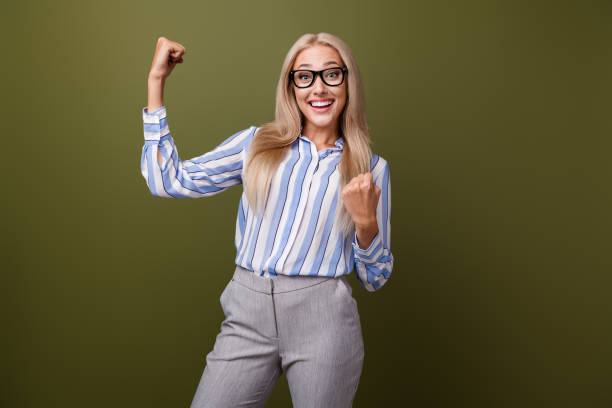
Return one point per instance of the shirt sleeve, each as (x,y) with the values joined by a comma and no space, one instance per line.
(201,176)
(374,265)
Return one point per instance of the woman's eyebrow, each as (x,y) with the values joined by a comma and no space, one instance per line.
(327,63)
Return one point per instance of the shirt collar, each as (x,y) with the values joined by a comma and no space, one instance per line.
(340,142)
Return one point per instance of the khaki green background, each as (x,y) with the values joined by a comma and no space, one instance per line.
(493,115)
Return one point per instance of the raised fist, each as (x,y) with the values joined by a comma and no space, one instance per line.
(167,55)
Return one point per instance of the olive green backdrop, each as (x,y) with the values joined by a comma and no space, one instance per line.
(494,117)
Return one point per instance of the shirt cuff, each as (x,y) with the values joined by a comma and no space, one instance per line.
(158,111)
(367,255)
(155,124)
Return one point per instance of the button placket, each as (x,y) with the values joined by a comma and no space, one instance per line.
(299,215)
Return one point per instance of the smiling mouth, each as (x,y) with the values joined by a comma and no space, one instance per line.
(320,109)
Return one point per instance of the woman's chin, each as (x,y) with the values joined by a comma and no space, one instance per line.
(322,122)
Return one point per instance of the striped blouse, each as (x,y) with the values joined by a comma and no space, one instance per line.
(296,234)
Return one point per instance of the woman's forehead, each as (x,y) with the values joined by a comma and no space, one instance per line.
(317,56)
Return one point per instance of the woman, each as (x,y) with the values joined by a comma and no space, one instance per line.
(316,204)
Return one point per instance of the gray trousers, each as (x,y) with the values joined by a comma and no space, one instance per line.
(307,327)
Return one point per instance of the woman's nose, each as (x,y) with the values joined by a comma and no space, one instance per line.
(318,83)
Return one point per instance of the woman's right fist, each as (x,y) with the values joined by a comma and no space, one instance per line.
(167,55)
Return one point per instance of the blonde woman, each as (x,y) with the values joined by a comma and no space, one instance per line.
(316,205)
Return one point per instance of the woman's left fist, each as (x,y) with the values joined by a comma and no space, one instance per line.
(360,198)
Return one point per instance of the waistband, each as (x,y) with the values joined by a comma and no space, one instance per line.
(278,283)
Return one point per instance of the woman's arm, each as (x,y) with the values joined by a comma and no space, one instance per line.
(167,55)
(166,174)
(374,264)
(169,176)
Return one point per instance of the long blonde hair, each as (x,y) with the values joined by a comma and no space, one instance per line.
(273,139)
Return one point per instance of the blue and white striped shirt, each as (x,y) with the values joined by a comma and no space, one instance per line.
(296,234)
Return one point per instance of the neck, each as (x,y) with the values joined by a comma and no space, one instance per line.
(321,135)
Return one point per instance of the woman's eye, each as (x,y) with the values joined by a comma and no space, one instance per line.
(332,73)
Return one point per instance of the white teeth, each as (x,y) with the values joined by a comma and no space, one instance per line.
(321,103)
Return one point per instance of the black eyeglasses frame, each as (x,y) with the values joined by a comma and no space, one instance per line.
(314,76)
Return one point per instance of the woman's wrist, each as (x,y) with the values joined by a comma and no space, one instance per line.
(155,77)
(367,224)
(366,233)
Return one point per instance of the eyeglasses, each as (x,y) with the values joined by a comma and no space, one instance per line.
(303,78)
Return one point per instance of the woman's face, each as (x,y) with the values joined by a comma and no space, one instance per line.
(318,57)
